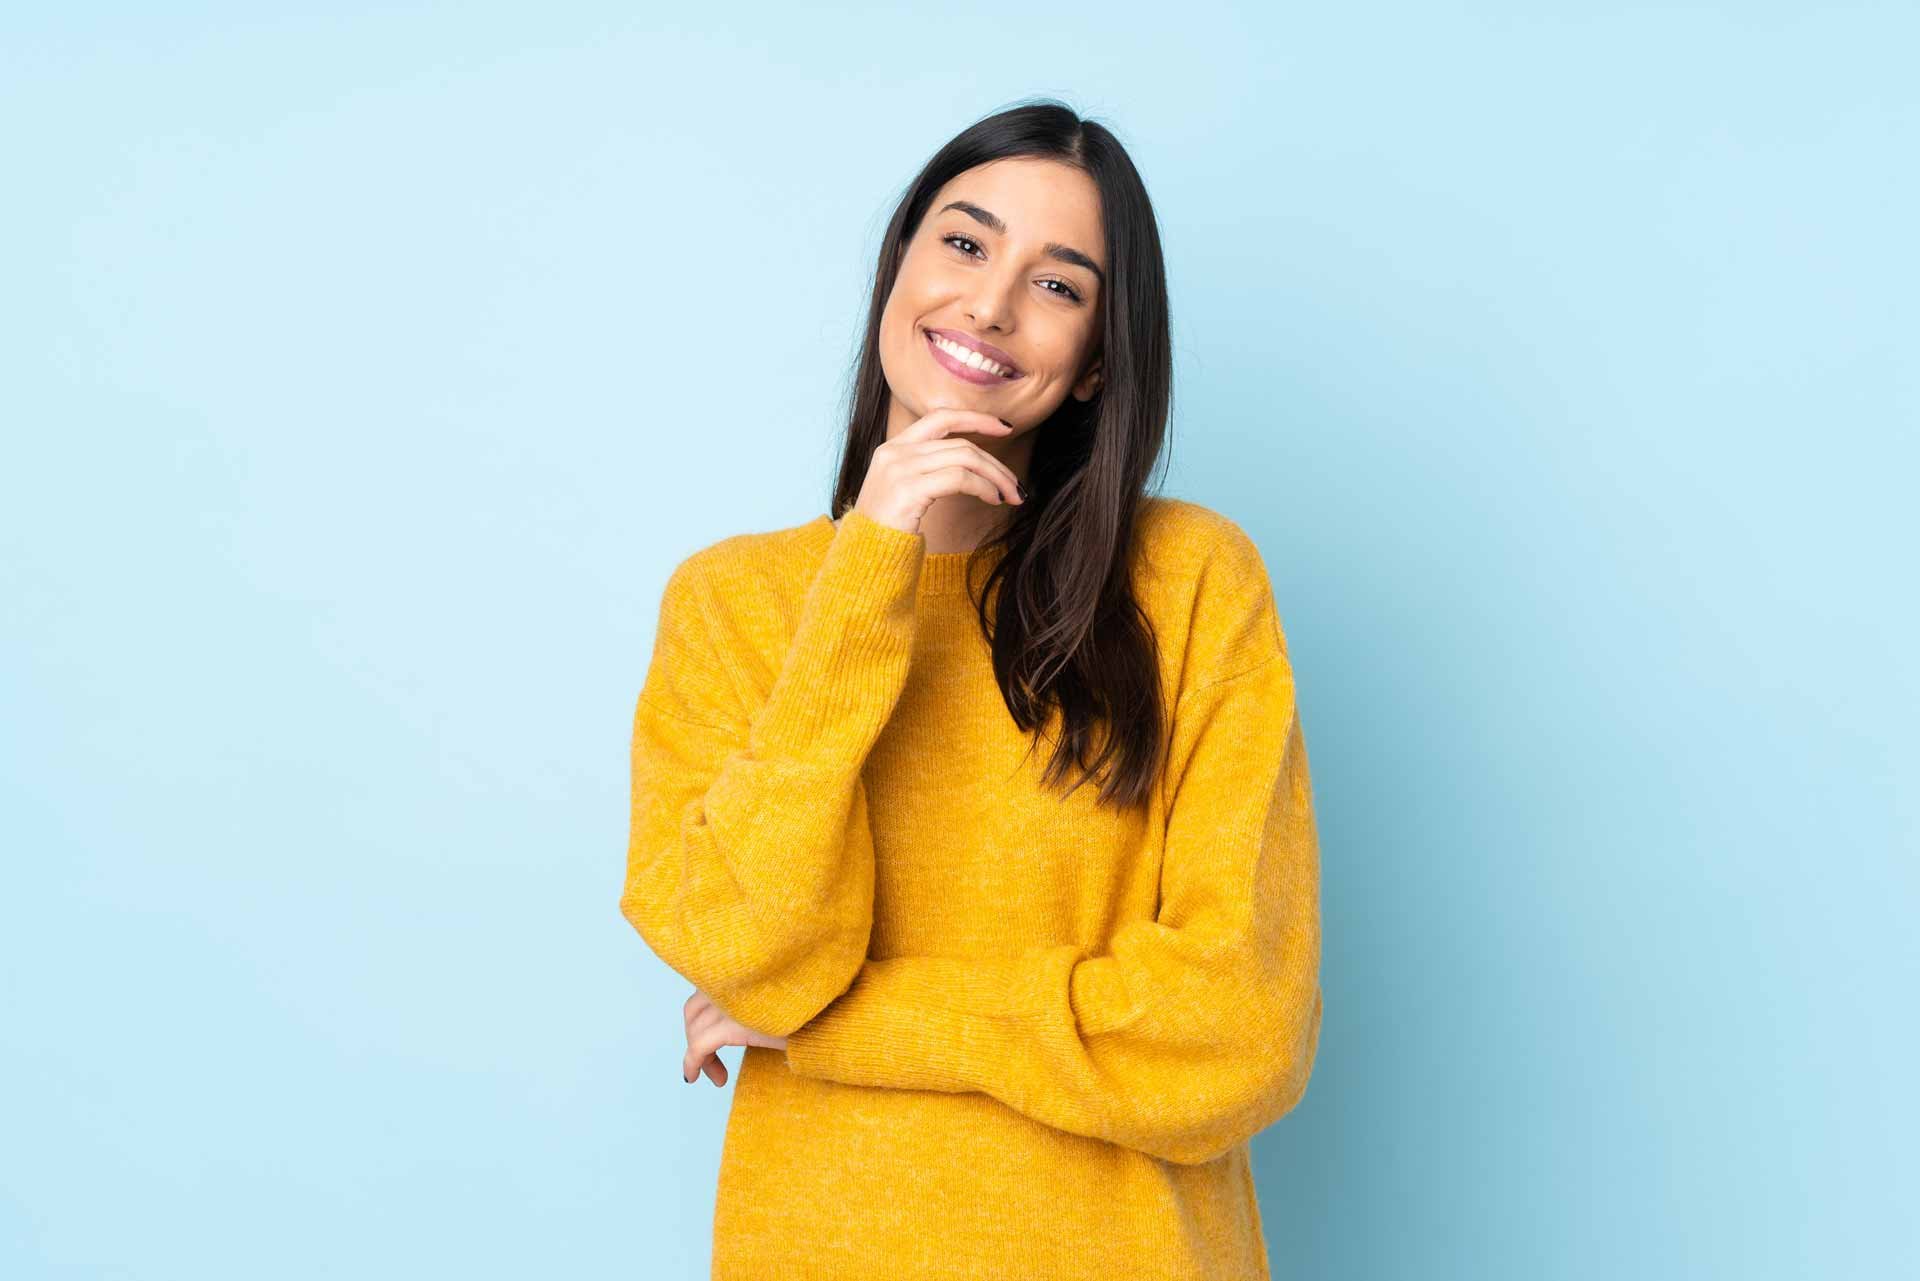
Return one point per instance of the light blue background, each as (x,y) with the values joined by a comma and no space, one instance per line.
(365,373)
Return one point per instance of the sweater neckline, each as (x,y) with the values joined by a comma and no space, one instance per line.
(941,573)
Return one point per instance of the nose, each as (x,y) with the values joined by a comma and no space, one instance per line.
(991,305)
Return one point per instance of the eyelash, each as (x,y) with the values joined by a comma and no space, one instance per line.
(953,236)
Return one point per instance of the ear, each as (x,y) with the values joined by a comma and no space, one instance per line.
(1089,385)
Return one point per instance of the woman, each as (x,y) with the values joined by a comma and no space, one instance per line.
(996,1022)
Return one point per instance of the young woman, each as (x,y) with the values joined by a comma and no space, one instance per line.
(996,1022)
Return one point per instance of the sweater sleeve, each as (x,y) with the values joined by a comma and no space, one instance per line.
(1196,1028)
(749,859)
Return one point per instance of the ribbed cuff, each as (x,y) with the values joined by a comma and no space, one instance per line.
(848,659)
(913,1023)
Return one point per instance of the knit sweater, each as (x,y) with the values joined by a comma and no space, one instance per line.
(1026,1035)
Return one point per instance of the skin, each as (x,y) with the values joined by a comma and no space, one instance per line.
(956,452)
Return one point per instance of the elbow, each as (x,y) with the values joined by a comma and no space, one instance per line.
(1290,1065)
(1208,1138)
(1192,1149)
(1201,1139)
(1211,1137)
(778,999)
(1262,1087)
(771,979)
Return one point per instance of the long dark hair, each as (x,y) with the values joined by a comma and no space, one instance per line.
(1068,636)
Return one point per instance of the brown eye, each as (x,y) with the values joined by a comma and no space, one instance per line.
(1066,290)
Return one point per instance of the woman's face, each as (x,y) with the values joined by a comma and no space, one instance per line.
(1010,256)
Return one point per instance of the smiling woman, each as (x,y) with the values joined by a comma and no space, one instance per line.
(998,255)
(993,1024)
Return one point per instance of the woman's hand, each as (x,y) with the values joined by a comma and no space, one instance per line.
(928,461)
(709,1028)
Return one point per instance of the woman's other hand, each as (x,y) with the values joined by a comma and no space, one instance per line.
(709,1028)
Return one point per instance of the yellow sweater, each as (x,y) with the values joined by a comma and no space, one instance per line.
(1026,1036)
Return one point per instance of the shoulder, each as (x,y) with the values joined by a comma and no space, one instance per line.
(743,566)
(1201,558)
(723,603)
(1162,516)
(1204,579)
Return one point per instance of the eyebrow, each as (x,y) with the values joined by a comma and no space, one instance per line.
(1053,249)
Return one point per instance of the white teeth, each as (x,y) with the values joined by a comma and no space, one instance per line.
(968,356)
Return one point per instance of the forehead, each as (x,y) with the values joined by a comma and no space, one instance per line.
(1038,199)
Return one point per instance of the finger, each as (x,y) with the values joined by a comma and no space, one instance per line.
(959,478)
(942,422)
(700,1043)
(698,1052)
(924,458)
(716,1069)
(709,1038)
(703,1018)
(1009,482)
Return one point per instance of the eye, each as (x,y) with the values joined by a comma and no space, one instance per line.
(1066,290)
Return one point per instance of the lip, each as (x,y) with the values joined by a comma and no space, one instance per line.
(968,373)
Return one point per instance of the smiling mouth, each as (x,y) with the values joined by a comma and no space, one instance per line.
(965,363)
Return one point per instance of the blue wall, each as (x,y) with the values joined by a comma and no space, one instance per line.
(366,372)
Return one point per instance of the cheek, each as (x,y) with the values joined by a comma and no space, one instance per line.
(893,320)
(898,316)
(1057,363)
(897,338)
